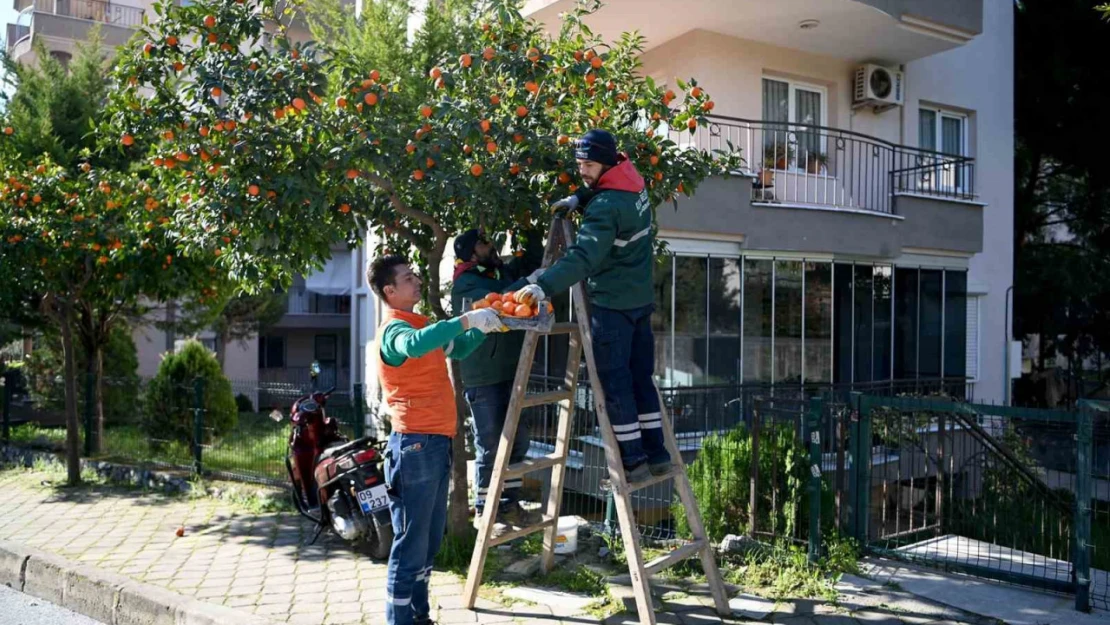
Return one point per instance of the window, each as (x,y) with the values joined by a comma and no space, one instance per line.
(945,132)
(787,338)
(972,355)
(757,319)
(818,320)
(271,352)
(786,103)
(690,309)
(724,320)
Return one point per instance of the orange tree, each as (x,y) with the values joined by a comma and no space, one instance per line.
(285,147)
(89,243)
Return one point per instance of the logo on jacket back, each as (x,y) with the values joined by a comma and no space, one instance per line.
(643,203)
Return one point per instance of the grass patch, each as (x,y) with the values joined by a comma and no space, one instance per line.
(581,579)
(34,435)
(785,572)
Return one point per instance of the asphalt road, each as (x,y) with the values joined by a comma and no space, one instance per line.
(17,608)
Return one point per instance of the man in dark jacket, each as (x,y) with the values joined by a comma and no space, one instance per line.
(614,253)
(488,373)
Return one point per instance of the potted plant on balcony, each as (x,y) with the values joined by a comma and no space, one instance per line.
(815,162)
(776,156)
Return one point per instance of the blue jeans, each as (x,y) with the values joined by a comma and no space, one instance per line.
(488,407)
(624,350)
(417,472)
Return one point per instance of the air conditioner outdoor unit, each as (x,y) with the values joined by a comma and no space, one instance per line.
(880,87)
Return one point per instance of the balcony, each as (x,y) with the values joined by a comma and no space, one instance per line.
(70,21)
(308,309)
(892,31)
(818,189)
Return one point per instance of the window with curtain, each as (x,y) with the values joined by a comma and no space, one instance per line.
(945,132)
(787,143)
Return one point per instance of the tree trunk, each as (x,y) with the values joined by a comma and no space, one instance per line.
(97,356)
(458,503)
(73,434)
(221,348)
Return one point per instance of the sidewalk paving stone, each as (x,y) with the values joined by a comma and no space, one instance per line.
(261,564)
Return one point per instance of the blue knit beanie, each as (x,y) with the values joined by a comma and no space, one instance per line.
(598,146)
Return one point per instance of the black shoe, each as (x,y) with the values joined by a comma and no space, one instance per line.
(638,473)
(660,468)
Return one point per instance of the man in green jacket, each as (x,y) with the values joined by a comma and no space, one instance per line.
(488,373)
(614,253)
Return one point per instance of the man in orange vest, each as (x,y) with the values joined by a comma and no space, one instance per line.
(412,368)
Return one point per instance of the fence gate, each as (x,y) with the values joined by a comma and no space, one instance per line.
(991,491)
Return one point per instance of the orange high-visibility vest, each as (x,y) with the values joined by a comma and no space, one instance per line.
(418,394)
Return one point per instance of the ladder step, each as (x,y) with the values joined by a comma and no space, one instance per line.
(565,327)
(517,532)
(678,555)
(532,464)
(655,479)
(550,397)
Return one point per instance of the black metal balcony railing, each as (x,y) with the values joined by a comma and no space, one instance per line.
(828,167)
(93,10)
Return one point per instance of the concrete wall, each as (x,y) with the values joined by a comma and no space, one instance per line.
(979,79)
(964,15)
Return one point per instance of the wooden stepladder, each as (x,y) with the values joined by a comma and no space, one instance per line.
(560,236)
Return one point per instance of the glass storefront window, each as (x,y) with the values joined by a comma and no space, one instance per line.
(863,324)
(724,320)
(882,284)
(661,320)
(690,310)
(843,322)
(757,320)
(955,324)
(905,323)
(929,329)
(788,322)
(818,322)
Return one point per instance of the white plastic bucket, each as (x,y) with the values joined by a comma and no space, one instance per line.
(566,540)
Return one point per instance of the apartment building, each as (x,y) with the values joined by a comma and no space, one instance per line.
(866,239)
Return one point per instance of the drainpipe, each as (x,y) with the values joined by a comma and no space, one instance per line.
(1006,359)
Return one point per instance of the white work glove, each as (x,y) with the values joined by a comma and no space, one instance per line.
(530,295)
(567,204)
(485,320)
(535,275)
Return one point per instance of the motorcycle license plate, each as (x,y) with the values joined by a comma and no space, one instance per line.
(373,498)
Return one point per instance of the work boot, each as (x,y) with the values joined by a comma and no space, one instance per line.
(660,468)
(638,473)
(515,514)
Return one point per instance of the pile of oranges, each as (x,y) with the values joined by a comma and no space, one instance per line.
(506,305)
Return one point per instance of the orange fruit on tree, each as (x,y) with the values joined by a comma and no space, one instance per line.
(212,38)
(484,125)
(171,41)
(375,75)
(434,73)
(467,149)
(514,169)
(622,96)
(495,99)
(654,159)
(668,96)
(590,54)
(253,190)
(418,174)
(341,102)
(426,111)
(178,66)
(658,175)
(488,53)
(217,92)
(692,124)
(533,55)
(596,62)
(708,106)
(209,21)
(352,174)
(522,111)
(465,60)
(696,92)
(491,147)
(429,163)
(531,86)
(591,78)
(410,148)
(563,140)
(271,195)
(577,55)
(370,98)
(440,83)
(564,177)
(279,113)
(183,157)
(229,124)
(299,104)
(203,130)
(476,170)
(147,47)
(127,140)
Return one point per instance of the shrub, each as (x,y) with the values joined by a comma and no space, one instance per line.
(720,477)
(170,396)
(243,403)
(45,366)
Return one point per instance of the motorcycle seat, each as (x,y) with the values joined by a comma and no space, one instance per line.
(336,449)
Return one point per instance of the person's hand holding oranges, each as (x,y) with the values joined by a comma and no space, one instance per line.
(506,305)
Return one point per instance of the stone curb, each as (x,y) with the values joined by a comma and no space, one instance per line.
(107,597)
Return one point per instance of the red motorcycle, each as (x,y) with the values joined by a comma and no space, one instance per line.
(345,476)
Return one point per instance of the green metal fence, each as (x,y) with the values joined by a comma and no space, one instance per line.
(966,488)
